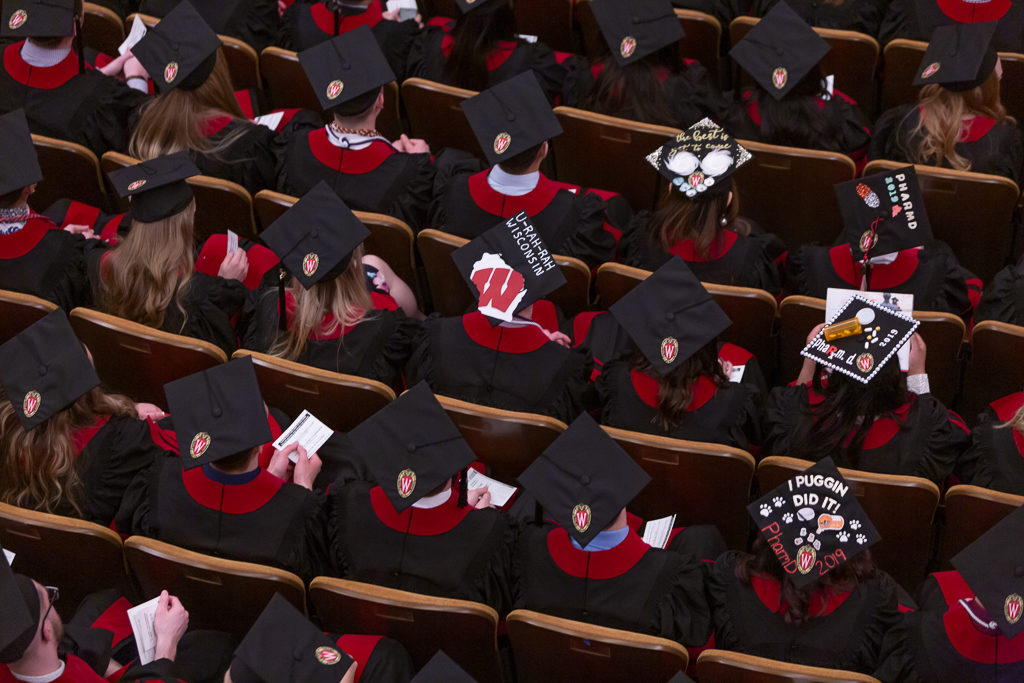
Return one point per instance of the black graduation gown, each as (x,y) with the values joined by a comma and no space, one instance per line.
(1003,299)
(921,439)
(995,148)
(998,451)
(446,551)
(631,586)
(210,302)
(917,19)
(378,659)
(375,178)
(109,228)
(250,161)
(847,636)
(88,108)
(513,368)
(253,21)
(46,262)
(861,15)
(939,641)
(265,521)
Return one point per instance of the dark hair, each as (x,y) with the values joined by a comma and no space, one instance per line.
(634,91)
(796,120)
(358,105)
(234,461)
(675,390)
(522,161)
(7,200)
(475,35)
(699,218)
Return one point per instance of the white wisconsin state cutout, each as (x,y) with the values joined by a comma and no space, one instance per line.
(501,288)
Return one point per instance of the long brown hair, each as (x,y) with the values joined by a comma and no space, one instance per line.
(634,91)
(679,217)
(475,35)
(37,468)
(675,390)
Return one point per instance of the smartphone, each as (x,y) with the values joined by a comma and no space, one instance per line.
(407,13)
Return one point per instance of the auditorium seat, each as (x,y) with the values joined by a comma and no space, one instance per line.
(102,29)
(901,59)
(722,666)
(287,85)
(18,311)
(113,161)
(970,512)
(69,171)
(435,115)
(243,63)
(550,20)
(221,205)
(995,369)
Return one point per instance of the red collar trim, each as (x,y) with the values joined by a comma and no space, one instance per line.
(581,325)
(976,646)
(419,521)
(82,437)
(349,161)
(737,355)
(719,247)
(525,339)
(646,388)
(359,648)
(885,428)
(844,266)
(493,202)
(39,77)
(235,499)
(953,586)
(325,323)
(495,58)
(823,601)
(544,314)
(214,125)
(752,110)
(1005,408)
(324,18)
(17,244)
(970,13)
(882,276)
(598,564)
(383,302)
(976,129)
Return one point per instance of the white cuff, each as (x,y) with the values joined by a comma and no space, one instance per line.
(139,84)
(918,384)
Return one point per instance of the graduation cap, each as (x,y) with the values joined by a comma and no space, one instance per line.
(285,647)
(813,523)
(45,370)
(883,213)
(38,18)
(864,337)
(441,669)
(959,56)
(21,165)
(511,117)
(315,238)
(670,316)
(345,67)
(481,6)
(157,187)
(218,412)
(19,613)
(634,29)
(180,51)
(993,567)
(699,157)
(583,479)
(780,50)
(412,446)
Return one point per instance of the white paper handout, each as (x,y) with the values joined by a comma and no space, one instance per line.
(737,373)
(271,120)
(527,37)
(141,618)
(310,432)
(232,241)
(835,298)
(657,531)
(500,493)
(9,555)
(134,36)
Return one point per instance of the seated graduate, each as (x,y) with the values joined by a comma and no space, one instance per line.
(36,257)
(959,120)
(251,21)
(997,445)
(866,413)
(810,593)
(918,19)
(1003,298)
(508,353)
(886,245)
(215,498)
(585,563)
(367,171)
(195,109)
(790,103)
(513,123)
(672,381)
(330,312)
(43,75)
(698,218)
(864,16)
(414,527)
(968,623)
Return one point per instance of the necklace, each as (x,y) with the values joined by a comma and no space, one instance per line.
(365,132)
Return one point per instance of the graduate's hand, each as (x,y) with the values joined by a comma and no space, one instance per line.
(411,145)
(235,266)
(133,68)
(559,338)
(280,464)
(814,332)
(83,230)
(116,67)
(918,352)
(726,367)
(479,498)
(281,7)
(169,625)
(148,411)
(306,469)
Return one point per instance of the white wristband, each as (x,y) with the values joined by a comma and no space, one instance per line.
(918,384)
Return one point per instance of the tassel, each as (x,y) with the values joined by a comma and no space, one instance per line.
(538,514)
(79,45)
(463,488)
(282,309)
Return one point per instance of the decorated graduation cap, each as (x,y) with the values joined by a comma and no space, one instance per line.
(21,165)
(634,29)
(861,338)
(157,187)
(511,117)
(583,479)
(38,18)
(482,6)
(993,567)
(701,156)
(19,613)
(959,56)
(45,370)
(412,446)
(883,213)
(345,67)
(670,316)
(315,238)
(813,523)
(441,669)
(217,412)
(780,50)
(180,51)
(283,646)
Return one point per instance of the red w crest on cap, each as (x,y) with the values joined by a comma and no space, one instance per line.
(501,288)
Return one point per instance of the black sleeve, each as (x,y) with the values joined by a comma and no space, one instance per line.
(259,26)
(781,413)
(577,394)
(396,39)
(451,166)
(545,66)
(210,303)
(398,348)
(413,201)
(888,140)
(579,81)
(259,323)
(945,443)
(897,663)
(420,367)
(135,516)
(590,242)
(128,450)
(894,25)
(309,555)
(107,127)
(852,126)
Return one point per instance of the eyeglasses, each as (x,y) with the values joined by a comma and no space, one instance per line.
(52,594)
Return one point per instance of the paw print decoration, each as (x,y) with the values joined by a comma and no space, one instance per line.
(779,502)
(766,509)
(843,536)
(861,539)
(854,524)
(788,518)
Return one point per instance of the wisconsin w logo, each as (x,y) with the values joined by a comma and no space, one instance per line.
(501,288)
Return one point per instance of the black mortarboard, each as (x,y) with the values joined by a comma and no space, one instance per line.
(412,446)
(218,412)
(780,50)
(21,166)
(993,567)
(157,187)
(482,6)
(862,355)
(959,56)
(315,238)
(45,369)
(813,522)
(583,479)
(508,268)
(441,669)
(670,316)
(680,677)
(511,117)
(883,213)
(283,646)
(38,18)
(634,29)
(699,157)
(345,67)
(180,51)
(19,613)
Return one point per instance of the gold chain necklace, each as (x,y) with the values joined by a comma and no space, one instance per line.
(365,132)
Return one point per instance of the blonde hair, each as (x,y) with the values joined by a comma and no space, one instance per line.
(37,468)
(150,269)
(344,297)
(1016,422)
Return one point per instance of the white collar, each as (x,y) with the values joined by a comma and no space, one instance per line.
(884,259)
(510,184)
(45,678)
(39,56)
(436,500)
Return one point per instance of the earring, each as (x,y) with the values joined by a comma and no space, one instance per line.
(723,221)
